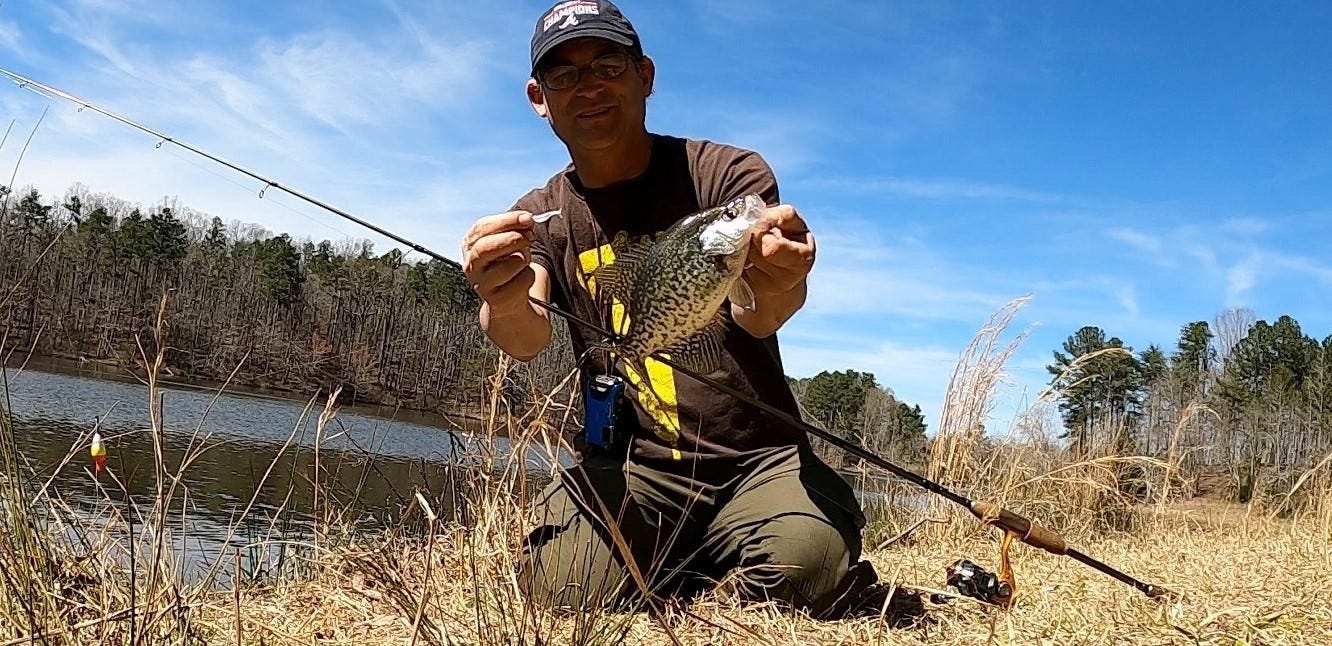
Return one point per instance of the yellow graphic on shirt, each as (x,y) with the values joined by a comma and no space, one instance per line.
(657,396)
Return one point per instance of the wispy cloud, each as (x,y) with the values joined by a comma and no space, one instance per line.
(1128,299)
(349,113)
(917,375)
(934,189)
(862,269)
(1241,277)
(11,38)
(1305,266)
(1244,227)
(1136,239)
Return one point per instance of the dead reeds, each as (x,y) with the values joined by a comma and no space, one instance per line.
(1246,575)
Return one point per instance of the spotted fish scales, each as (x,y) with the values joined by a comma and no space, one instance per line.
(673,286)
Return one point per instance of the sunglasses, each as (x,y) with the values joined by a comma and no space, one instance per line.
(604,67)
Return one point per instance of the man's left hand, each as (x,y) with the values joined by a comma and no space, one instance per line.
(781,251)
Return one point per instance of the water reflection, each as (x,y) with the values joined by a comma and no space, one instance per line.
(252,465)
(245,453)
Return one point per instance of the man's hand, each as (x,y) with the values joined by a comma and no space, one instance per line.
(781,251)
(781,254)
(497,260)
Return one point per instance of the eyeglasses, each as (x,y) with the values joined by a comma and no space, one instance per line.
(604,67)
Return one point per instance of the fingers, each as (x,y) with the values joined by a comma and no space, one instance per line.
(497,256)
(784,238)
(509,277)
(776,249)
(783,253)
(497,245)
(495,236)
(786,219)
(492,224)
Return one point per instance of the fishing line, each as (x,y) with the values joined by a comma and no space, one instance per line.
(1013,524)
(275,199)
(27,83)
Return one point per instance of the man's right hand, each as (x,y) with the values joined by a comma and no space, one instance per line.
(497,258)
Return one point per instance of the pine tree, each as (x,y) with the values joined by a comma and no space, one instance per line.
(1101,386)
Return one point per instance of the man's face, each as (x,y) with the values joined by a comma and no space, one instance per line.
(593,114)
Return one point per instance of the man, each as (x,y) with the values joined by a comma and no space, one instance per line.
(698,487)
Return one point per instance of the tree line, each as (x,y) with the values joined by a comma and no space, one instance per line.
(81,278)
(1236,396)
(853,406)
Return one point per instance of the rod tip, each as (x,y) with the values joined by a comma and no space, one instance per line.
(1161,593)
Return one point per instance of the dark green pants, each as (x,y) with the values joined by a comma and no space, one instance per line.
(784,527)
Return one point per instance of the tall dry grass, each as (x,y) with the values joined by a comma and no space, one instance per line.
(111,574)
(1026,469)
(1245,574)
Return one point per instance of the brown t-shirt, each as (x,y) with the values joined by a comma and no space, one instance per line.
(678,419)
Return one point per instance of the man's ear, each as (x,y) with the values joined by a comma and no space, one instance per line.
(536,97)
(648,72)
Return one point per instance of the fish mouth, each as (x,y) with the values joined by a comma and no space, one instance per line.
(746,207)
(731,232)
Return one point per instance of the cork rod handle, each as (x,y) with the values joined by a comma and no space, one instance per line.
(1027,531)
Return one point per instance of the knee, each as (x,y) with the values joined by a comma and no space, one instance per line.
(563,574)
(801,562)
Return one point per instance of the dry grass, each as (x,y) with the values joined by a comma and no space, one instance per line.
(1242,579)
(1244,574)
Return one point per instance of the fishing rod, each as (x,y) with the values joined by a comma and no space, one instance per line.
(1013,524)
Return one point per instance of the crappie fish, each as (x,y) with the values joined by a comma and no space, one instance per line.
(672,287)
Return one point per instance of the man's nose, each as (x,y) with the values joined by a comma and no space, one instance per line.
(588,84)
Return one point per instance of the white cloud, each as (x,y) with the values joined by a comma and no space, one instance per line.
(1128,299)
(917,372)
(1305,266)
(1241,277)
(1136,239)
(1244,227)
(860,270)
(360,119)
(917,375)
(11,37)
(348,81)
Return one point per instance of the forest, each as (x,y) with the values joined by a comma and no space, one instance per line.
(1245,400)
(246,306)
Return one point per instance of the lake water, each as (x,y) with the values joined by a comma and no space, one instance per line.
(254,452)
(257,453)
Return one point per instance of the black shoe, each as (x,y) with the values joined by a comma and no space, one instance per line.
(860,595)
(901,610)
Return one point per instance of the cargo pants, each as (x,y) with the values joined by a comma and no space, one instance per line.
(785,528)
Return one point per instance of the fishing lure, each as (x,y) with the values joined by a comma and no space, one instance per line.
(98,453)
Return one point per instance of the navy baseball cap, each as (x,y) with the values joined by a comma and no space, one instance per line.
(582,19)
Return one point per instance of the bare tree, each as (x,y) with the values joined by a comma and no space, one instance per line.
(1229,327)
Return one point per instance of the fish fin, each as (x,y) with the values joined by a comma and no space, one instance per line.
(702,352)
(615,279)
(742,294)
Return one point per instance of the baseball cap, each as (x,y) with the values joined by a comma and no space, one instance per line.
(579,19)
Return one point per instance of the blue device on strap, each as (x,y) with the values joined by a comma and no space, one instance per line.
(601,399)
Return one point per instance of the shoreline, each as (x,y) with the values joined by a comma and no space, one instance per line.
(117,371)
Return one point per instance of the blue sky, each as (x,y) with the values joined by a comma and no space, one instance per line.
(1134,166)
